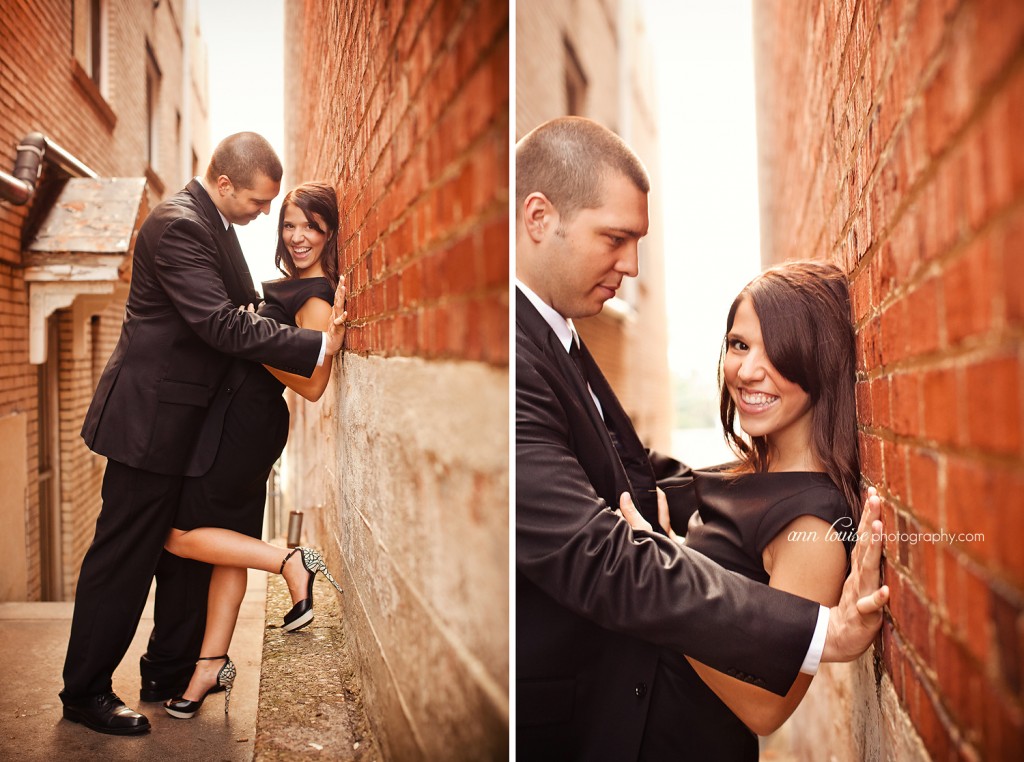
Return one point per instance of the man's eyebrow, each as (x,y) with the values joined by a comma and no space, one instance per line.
(628,232)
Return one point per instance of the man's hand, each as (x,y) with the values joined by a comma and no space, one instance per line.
(336,329)
(855,622)
(663,517)
(629,512)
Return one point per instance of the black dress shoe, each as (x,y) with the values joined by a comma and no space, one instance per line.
(106,713)
(161,690)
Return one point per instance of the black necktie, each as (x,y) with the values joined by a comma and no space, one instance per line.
(577,358)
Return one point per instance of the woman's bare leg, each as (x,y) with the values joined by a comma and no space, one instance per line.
(227,588)
(225,547)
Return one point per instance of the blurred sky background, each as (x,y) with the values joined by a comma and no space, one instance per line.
(245,47)
(704,80)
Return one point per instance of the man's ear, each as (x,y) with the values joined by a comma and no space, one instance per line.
(224,185)
(540,218)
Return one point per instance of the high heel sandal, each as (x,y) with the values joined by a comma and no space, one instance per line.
(302,612)
(184,709)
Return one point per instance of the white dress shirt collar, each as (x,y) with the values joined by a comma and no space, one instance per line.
(563,327)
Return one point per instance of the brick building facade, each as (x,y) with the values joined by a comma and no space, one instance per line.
(403,466)
(591,59)
(121,86)
(889,137)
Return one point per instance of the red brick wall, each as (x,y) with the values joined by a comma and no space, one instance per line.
(39,92)
(402,468)
(891,144)
(404,107)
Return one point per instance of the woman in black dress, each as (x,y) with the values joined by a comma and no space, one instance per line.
(220,517)
(785,514)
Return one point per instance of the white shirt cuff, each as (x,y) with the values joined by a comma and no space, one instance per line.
(320,362)
(813,658)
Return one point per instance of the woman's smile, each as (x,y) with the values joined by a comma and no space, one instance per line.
(755,402)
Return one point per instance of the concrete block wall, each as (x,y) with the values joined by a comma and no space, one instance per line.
(404,108)
(890,144)
(42,90)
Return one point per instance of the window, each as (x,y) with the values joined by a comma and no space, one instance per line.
(152,108)
(88,38)
(575,82)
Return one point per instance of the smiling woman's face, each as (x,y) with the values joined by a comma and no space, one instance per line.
(768,404)
(303,239)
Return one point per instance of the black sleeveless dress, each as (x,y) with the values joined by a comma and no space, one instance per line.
(738,516)
(233,493)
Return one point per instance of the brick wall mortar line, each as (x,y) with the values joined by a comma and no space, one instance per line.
(451,170)
(1006,341)
(937,264)
(413,97)
(1011,462)
(986,96)
(956,732)
(818,149)
(470,225)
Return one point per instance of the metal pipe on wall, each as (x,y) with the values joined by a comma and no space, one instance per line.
(19,186)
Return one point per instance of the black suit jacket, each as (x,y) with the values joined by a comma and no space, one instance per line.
(597,602)
(181,328)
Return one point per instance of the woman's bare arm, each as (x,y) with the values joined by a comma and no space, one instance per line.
(314,314)
(810,568)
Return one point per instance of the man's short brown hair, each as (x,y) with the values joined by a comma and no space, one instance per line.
(244,157)
(566,159)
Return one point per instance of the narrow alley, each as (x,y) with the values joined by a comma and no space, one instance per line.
(296,693)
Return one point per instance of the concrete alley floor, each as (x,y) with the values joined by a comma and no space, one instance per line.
(33,639)
(297,695)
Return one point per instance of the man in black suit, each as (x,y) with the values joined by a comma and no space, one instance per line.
(602,611)
(181,328)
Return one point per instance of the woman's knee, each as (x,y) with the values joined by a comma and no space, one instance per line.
(176,542)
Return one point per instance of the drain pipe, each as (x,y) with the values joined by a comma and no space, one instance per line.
(19,187)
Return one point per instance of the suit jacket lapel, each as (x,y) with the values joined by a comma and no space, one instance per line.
(632,474)
(235,271)
(630,450)
(538,329)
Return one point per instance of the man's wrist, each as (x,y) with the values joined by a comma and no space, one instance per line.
(816,650)
(323,349)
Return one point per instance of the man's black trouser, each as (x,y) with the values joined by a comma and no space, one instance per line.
(117,571)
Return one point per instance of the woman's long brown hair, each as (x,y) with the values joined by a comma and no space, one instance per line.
(804,310)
